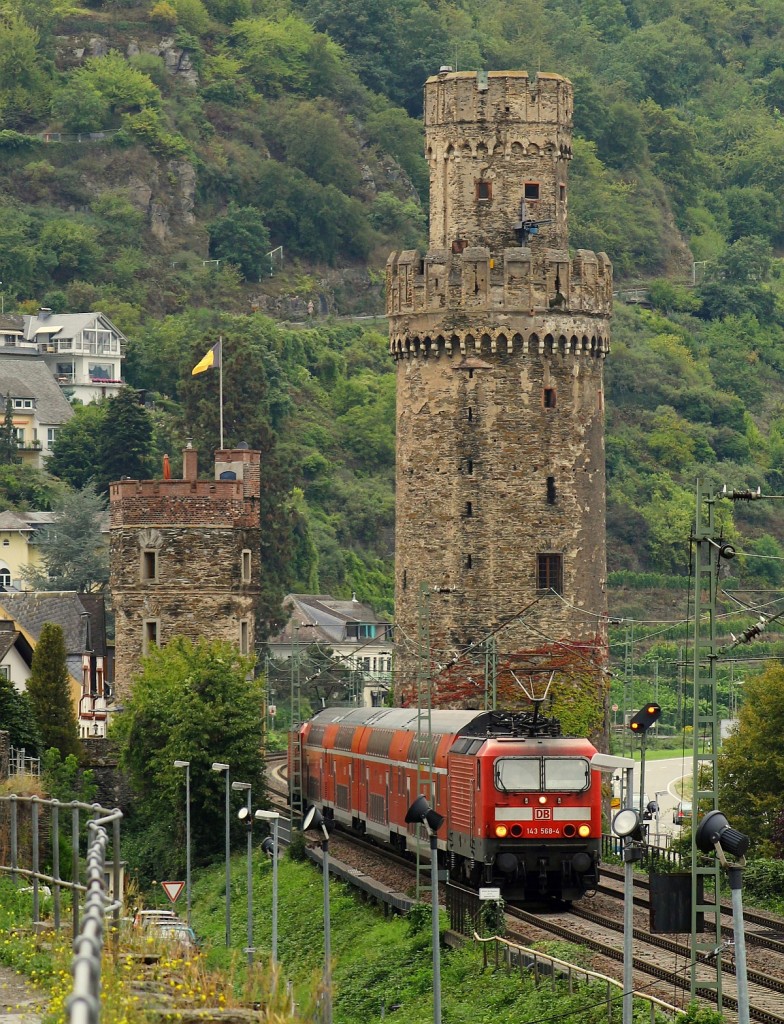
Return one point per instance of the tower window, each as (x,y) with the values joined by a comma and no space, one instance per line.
(549,572)
(469,467)
(531,190)
(551,490)
(548,398)
(470,413)
(149,565)
(469,509)
(246,565)
(405,579)
(244,637)
(469,562)
(562,192)
(149,635)
(484,191)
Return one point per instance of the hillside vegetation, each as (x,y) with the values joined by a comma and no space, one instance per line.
(190,139)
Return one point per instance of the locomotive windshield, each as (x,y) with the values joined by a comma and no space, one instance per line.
(570,774)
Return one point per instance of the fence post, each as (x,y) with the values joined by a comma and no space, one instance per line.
(14,851)
(75,865)
(56,860)
(116,884)
(36,891)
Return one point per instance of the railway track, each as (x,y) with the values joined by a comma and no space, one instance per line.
(661,964)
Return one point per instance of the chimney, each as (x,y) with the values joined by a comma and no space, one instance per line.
(44,313)
(190,464)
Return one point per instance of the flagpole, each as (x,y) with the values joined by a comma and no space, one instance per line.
(220,389)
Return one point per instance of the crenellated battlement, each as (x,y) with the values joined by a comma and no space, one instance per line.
(517,282)
(456,98)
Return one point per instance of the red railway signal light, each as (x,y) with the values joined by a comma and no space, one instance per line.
(645,718)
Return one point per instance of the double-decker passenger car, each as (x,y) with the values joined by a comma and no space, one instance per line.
(520,803)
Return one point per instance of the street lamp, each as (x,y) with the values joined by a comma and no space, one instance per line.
(219,766)
(270,847)
(420,812)
(187,766)
(714,833)
(314,822)
(626,825)
(246,816)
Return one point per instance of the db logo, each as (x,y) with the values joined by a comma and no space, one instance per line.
(542,813)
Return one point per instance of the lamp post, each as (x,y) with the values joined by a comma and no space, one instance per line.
(313,821)
(626,826)
(219,766)
(246,816)
(187,766)
(714,833)
(270,847)
(421,812)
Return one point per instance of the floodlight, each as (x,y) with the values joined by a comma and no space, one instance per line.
(421,811)
(626,824)
(714,829)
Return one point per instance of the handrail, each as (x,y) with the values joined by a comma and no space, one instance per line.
(534,956)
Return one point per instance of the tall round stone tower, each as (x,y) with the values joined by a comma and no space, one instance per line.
(500,337)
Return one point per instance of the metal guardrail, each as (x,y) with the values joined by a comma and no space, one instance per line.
(541,967)
(652,855)
(84,1003)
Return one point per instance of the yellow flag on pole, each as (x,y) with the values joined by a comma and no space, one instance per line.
(212,359)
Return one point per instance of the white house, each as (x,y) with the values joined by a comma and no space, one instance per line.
(357,637)
(84,351)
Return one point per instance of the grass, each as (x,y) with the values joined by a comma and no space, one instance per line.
(378,963)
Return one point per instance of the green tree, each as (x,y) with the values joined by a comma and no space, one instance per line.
(80,107)
(751,762)
(17,717)
(9,444)
(23,83)
(126,445)
(197,702)
(50,692)
(71,248)
(77,444)
(240,237)
(73,550)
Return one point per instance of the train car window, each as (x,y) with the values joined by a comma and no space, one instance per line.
(380,742)
(516,773)
(344,737)
(316,735)
(566,773)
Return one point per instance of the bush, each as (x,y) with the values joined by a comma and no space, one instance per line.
(764,880)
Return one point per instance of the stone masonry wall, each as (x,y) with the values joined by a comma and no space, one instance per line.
(500,340)
(185,560)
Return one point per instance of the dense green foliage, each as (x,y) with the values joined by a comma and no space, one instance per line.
(199,703)
(752,767)
(49,691)
(17,718)
(73,550)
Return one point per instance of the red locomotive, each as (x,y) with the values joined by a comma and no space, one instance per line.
(522,807)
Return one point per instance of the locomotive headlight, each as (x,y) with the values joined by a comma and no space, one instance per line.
(501,831)
(542,799)
(584,831)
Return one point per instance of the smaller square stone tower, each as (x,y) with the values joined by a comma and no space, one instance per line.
(184,558)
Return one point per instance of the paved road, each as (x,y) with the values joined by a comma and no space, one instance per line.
(661,779)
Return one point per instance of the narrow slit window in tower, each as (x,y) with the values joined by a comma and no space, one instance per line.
(246,565)
(562,192)
(469,562)
(470,413)
(470,467)
(531,190)
(549,572)
(548,398)
(469,509)
(149,635)
(551,490)
(244,637)
(405,579)
(149,565)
